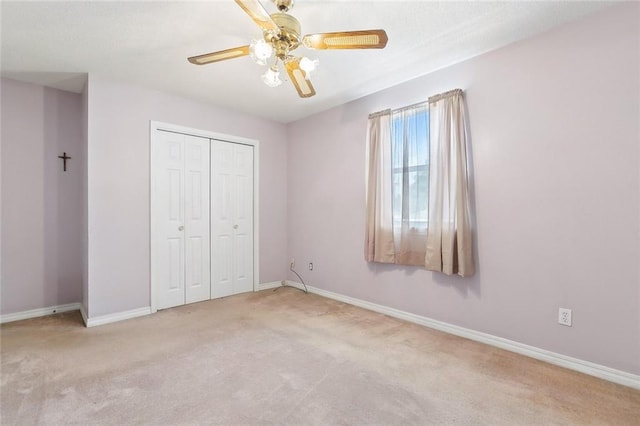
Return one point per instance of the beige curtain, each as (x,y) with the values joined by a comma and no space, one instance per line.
(449,237)
(379,245)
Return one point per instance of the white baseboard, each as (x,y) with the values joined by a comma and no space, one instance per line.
(586,367)
(118,316)
(40,312)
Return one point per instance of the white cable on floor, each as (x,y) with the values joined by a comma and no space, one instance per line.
(301,280)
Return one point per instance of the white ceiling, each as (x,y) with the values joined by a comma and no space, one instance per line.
(146,43)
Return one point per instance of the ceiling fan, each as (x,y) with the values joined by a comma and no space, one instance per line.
(281,33)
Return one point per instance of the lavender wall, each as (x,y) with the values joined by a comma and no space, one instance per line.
(41,205)
(555,147)
(118,187)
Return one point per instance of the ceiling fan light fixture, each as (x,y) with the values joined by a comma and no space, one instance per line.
(308,66)
(272,77)
(281,36)
(261,51)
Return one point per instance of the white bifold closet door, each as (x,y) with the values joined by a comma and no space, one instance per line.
(231,218)
(180,219)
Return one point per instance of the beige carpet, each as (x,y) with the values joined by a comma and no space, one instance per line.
(284,358)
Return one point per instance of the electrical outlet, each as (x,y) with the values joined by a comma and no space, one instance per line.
(311,266)
(564,317)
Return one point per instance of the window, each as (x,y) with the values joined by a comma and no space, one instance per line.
(417,177)
(410,167)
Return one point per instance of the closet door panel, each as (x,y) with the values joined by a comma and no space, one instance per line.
(197,246)
(180,247)
(231,218)
(221,219)
(167,208)
(243,214)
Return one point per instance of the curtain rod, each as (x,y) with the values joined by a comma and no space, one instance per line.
(436,98)
(378,113)
(389,110)
(411,106)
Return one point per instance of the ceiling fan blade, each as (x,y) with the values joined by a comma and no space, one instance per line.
(220,55)
(257,12)
(297,75)
(367,39)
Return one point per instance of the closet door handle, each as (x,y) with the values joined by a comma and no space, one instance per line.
(180,228)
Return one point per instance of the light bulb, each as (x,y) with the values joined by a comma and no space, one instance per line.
(260,51)
(272,77)
(308,66)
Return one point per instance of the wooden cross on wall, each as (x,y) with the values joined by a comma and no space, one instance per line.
(64,160)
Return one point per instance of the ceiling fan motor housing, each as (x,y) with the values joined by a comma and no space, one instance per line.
(289,37)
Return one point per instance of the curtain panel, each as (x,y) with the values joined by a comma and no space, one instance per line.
(449,238)
(379,243)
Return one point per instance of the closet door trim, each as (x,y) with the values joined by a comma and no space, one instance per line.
(154,128)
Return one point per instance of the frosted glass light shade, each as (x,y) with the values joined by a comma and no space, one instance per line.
(308,66)
(261,51)
(272,77)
